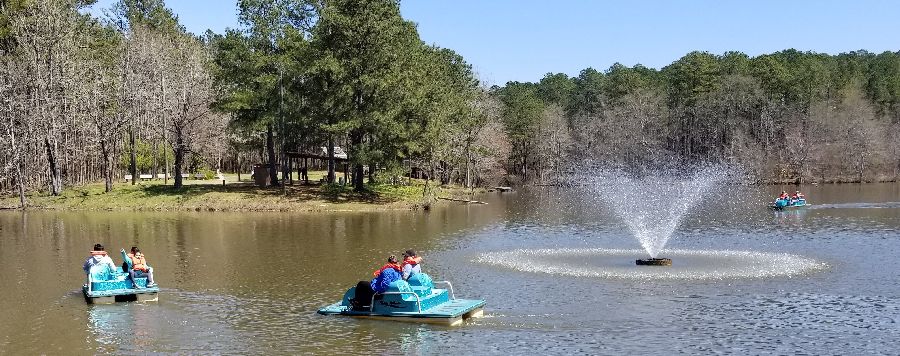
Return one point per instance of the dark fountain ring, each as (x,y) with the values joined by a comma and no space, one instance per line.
(654,262)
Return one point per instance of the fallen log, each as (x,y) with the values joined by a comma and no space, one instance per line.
(464,201)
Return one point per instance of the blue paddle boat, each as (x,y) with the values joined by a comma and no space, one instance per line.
(105,286)
(415,300)
(781,204)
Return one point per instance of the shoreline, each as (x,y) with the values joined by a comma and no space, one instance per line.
(203,196)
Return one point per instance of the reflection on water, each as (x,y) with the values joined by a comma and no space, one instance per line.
(250,283)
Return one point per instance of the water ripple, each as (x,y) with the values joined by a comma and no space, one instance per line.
(619,263)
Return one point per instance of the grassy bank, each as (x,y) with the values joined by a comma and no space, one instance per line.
(234,195)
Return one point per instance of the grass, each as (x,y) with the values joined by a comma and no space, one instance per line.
(211,195)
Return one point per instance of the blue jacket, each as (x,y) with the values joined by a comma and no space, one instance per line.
(384,280)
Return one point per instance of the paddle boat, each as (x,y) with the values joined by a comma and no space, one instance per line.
(105,286)
(415,300)
(781,204)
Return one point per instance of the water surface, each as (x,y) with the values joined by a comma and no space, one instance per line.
(250,283)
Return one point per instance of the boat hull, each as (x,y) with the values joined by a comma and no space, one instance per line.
(415,300)
(120,295)
(781,206)
(451,314)
(119,288)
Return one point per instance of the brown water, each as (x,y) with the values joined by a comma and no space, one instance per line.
(251,283)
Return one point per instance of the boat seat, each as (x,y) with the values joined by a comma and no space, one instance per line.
(421,284)
(104,278)
(402,286)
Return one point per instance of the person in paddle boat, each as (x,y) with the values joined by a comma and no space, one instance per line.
(412,264)
(384,276)
(784,196)
(782,200)
(140,268)
(98,261)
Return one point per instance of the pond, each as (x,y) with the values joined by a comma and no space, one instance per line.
(251,283)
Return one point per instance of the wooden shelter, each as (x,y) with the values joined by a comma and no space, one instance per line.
(318,159)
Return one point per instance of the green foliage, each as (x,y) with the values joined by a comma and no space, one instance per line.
(147,156)
(589,92)
(556,89)
(883,85)
(150,13)
(521,110)
(693,76)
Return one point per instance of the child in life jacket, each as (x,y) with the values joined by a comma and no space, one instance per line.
(139,267)
(412,264)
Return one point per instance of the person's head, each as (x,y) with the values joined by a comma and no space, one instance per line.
(409,253)
(392,259)
(98,247)
(135,249)
(783,192)
(797,192)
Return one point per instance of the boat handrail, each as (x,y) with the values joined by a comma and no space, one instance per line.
(89,282)
(452,296)
(418,300)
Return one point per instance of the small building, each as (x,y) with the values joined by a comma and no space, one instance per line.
(338,152)
(261,174)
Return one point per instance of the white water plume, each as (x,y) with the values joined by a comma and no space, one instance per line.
(653,205)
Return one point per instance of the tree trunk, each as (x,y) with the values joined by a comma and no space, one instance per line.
(166,166)
(20,182)
(356,139)
(179,161)
(330,149)
(55,179)
(270,148)
(468,153)
(133,162)
(107,167)
(524,163)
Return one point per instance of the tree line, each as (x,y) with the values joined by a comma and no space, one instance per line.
(87,98)
(789,116)
(79,92)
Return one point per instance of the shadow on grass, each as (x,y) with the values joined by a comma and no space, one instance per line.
(332,193)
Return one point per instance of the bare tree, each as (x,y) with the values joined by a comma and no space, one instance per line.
(554,143)
(46,34)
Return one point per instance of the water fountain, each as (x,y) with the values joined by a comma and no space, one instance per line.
(651,207)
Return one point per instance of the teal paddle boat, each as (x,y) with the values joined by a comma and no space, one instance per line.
(781,204)
(415,300)
(106,286)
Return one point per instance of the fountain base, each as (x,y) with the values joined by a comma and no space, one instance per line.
(654,262)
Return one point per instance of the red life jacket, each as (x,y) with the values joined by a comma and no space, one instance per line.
(395,266)
(411,261)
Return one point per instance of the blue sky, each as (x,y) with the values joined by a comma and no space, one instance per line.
(522,40)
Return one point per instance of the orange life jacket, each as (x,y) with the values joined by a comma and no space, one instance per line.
(389,265)
(138,263)
(411,261)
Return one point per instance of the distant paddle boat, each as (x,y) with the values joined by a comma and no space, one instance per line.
(781,204)
(107,287)
(416,300)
